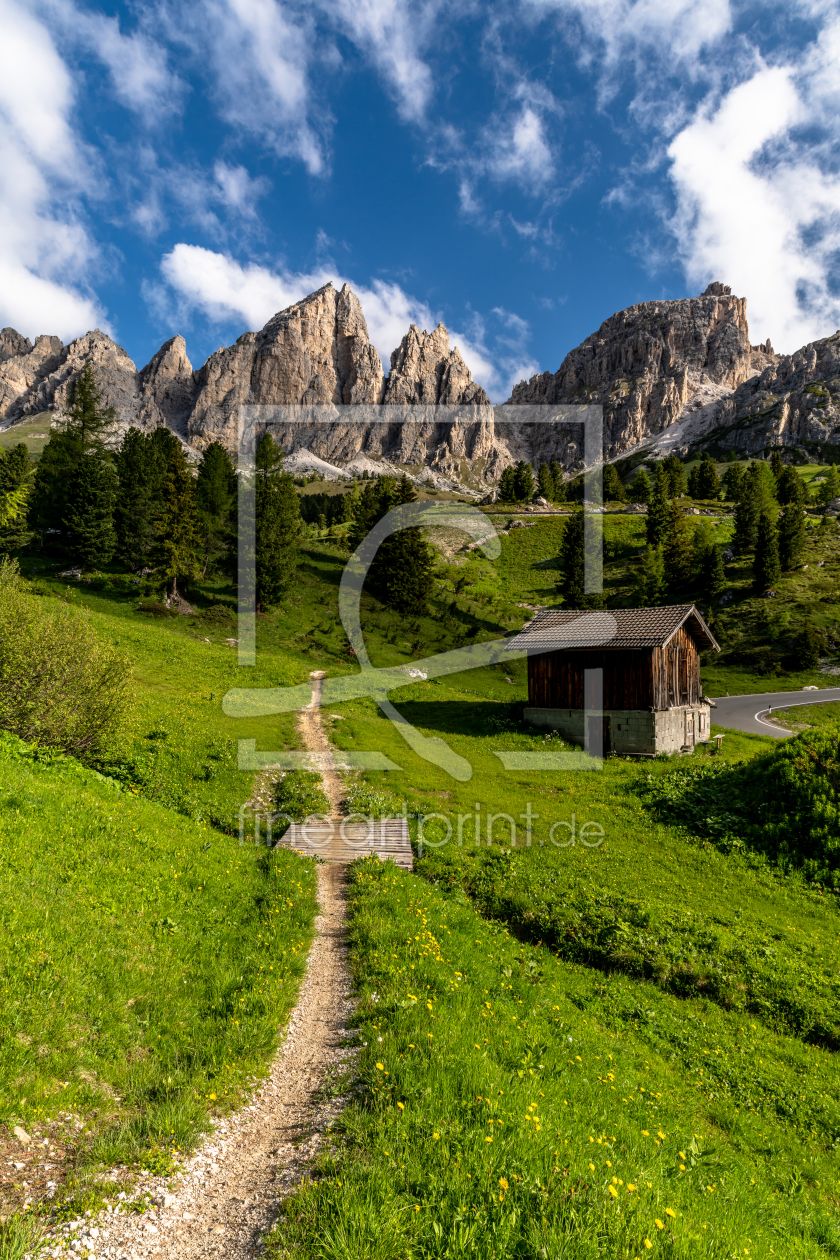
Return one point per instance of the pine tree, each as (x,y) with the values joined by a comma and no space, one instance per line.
(708,481)
(806,647)
(675,472)
(756,497)
(178,551)
(714,573)
(830,488)
(559,495)
(572,583)
(507,485)
(523,482)
(404,566)
(766,567)
(545,482)
(676,547)
(89,524)
(790,486)
(216,494)
(278,524)
(791,536)
(613,489)
(649,589)
(733,480)
(777,466)
(657,515)
(87,420)
(15,486)
(139,499)
(694,483)
(640,488)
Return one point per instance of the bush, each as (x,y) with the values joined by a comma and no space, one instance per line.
(219,615)
(300,795)
(154,608)
(60,686)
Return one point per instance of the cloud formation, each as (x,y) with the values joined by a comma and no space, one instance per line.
(46,252)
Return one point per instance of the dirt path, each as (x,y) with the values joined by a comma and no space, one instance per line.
(229,1194)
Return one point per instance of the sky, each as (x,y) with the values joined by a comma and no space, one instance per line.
(518,169)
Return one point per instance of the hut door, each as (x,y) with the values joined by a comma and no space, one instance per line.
(599,743)
(689,730)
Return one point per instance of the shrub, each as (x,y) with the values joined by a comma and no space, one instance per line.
(299,795)
(219,615)
(154,608)
(60,686)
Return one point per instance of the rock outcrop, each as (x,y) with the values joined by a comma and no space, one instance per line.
(646,364)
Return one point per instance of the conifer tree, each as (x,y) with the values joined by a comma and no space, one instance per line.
(708,481)
(278,524)
(178,551)
(139,500)
(613,489)
(507,485)
(216,494)
(545,482)
(791,535)
(559,495)
(790,486)
(657,516)
(15,484)
(830,488)
(806,647)
(640,489)
(523,482)
(714,573)
(676,547)
(733,480)
(402,572)
(756,496)
(571,561)
(777,466)
(89,524)
(675,472)
(649,589)
(766,567)
(87,420)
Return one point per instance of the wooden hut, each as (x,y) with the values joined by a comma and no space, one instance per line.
(625,680)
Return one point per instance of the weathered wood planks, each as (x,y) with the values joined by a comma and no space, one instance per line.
(337,840)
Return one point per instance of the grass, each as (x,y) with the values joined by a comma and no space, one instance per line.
(146,961)
(34,433)
(513,1105)
(806,716)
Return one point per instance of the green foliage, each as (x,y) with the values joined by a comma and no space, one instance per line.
(713,578)
(733,480)
(87,420)
(766,567)
(139,498)
(178,550)
(299,796)
(402,570)
(650,586)
(507,485)
(216,494)
(656,521)
(89,535)
(545,482)
(640,489)
(613,489)
(676,547)
(756,497)
(578,535)
(791,534)
(523,482)
(791,487)
(675,473)
(278,524)
(60,685)
(559,495)
(830,488)
(806,647)
(704,482)
(15,487)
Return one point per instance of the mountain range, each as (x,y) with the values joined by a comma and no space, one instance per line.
(676,375)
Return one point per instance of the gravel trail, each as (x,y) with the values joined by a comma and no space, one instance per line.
(231,1189)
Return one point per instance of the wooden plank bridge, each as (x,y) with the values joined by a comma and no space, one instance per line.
(340,841)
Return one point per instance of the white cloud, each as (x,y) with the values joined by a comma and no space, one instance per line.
(389,33)
(224,290)
(46,254)
(521,151)
(759,204)
(258,55)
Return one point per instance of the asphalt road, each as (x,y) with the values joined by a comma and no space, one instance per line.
(745,713)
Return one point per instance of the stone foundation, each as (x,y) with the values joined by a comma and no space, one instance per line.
(638,731)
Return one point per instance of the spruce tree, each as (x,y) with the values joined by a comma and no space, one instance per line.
(777,466)
(403,570)
(791,536)
(545,482)
(714,573)
(640,489)
(523,482)
(139,499)
(675,472)
(756,497)
(15,484)
(178,551)
(649,588)
(507,485)
(657,515)
(708,481)
(89,524)
(278,524)
(87,420)
(559,495)
(806,647)
(694,483)
(572,566)
(613,489)
(676,547)
(790,486)
(733,480)
(216,494)
(766,567)
(830,488)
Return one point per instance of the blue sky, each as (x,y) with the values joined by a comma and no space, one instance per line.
(519,169)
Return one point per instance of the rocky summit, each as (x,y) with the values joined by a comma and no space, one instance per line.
(669,375)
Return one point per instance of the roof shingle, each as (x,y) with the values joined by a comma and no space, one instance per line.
(557,628)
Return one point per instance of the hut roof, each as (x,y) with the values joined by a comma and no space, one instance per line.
(555,628)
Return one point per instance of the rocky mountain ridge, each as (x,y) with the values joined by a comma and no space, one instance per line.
(673,375)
